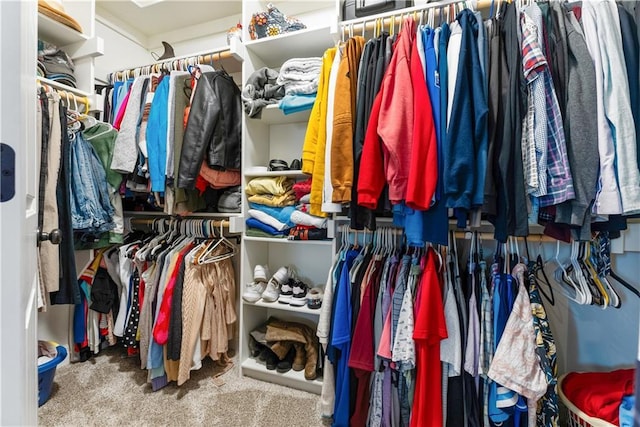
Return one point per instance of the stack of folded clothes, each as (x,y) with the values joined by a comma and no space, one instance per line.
(273,213)
(300,77)
(54,64)
(268,196)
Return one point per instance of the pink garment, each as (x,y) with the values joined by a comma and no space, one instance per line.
(384,349)
(120,114)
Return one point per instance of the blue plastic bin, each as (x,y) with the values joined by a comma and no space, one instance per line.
(46,373)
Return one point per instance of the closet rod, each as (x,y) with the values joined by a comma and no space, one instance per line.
(369,23)
(149,222)
(77,102)
(179,64)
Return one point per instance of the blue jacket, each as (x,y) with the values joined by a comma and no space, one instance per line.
(466,143)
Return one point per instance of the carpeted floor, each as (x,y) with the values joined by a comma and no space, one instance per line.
(110,390)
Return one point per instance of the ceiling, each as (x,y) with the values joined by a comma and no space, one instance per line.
(163,16)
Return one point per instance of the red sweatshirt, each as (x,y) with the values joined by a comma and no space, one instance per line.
(423,173)
(387,143)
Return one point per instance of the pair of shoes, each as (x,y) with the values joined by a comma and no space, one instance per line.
(253,291)
(279,278)
(314,298)
(294,292)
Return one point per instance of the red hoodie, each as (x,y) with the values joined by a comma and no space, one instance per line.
(423,172)
(387,143)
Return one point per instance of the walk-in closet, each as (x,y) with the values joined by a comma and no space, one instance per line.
(355,213)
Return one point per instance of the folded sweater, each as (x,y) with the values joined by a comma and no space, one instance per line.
(254,223)
(282,214)
(267,219)
(295,103)
(277,185)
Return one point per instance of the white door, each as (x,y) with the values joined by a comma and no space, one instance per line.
(18,213)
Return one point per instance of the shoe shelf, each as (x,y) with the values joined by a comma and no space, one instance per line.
(273,115)
(284,307)
(295,379)
(287,241)
(254,173)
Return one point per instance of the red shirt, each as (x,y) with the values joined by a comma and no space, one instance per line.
(430,328)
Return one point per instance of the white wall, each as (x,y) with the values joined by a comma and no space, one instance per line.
(120,52)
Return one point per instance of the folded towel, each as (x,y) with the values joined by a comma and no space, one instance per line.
(281,214)
(295,103)
(254,223)
(277,185)
(267,219)
(301,218)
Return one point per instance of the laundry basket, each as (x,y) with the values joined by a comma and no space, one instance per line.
(577,418)
(46,373)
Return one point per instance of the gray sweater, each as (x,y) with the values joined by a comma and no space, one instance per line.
(581,130)
(125,152)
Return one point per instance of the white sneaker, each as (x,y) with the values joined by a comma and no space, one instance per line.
(286,291)
(280,277)
(299,294)
(253,291)
(261,273)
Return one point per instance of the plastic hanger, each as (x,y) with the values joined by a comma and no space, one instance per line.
(570,289)
(537,266)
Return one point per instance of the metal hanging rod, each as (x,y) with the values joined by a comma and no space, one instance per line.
(369,23)
(178,64)
(75,101)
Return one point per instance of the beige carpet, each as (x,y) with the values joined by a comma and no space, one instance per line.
(110,390)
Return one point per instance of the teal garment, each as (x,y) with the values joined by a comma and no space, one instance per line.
(156,136)
(295,103)
(103,139)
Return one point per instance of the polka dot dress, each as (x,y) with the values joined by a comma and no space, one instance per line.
(131,330)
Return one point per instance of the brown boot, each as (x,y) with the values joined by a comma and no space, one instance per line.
(301,357)
(279,330)
(280,348)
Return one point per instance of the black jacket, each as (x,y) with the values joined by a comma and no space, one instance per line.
(214,126)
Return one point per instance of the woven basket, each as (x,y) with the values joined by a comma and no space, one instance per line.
(577,418)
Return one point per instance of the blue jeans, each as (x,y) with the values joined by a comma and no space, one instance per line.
(91,208)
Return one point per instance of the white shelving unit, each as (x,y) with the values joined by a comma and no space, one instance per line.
(279,136)
(82,47)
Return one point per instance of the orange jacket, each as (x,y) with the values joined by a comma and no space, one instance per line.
(344,114)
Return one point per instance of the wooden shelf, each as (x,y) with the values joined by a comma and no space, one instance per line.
(287,241)
(273,115)
(284,307)
(273,51)
(255,369)
(57,33)
(291,173)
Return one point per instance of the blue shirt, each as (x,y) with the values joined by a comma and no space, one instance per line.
(340,342)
